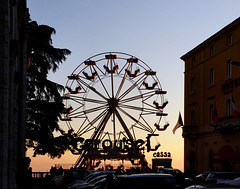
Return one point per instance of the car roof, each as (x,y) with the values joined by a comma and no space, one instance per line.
(140,175)
(167,169)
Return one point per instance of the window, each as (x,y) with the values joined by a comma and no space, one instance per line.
(193,86)
(193,118)
(229,40)
(228,107)
(212,50)
(193,61)
(211,159)
(229,69)
(211,113)
(211,77)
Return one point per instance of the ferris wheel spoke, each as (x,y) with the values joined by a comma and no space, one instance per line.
(123,67)
(83,113)
(124,125)
(94,101)
(87,100)
(141,79)
(97,68)
(147,123)
(143,110)
(123,134)
(98,93)
(90,124)
(142,126)
(146,96)
(133,131)
(120,86)
(86,130)
(131,107)
(95,109)
(92,88)
(127,91)
(103,88)
(112,86)
(100,128)
(103,136)
(76,112)
(81,127)
(143,96)
(131,99)
(114,126)
(68,124)
(122,82)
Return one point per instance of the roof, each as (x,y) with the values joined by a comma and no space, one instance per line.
(145,175)
(213,37)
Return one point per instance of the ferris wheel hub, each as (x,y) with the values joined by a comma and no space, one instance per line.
(113,103)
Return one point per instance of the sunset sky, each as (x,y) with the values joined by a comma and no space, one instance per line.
(158,32)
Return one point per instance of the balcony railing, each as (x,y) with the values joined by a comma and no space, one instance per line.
(189,131)
(228,124)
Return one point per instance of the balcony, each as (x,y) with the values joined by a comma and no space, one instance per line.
(228,124)
(189,131)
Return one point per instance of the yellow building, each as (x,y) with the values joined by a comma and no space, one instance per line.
(212,84)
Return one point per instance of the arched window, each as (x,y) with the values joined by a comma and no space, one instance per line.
(228,107)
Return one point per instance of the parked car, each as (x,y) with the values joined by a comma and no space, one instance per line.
(234,182)
(200,178)
(92,180)
(221,177)
(69,176)
(211,187)
(145,181)
(97,182)
(179,175)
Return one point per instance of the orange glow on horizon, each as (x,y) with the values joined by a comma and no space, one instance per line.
(175,147)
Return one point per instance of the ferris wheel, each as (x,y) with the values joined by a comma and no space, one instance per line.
(113,96)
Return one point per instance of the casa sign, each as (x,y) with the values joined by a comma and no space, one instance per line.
(162,154)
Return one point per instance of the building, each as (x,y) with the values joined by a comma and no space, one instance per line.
(13,60)
(212,91)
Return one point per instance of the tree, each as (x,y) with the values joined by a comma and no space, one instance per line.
(44,103)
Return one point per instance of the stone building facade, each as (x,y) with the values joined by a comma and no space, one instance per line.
(13,61)
(212,89)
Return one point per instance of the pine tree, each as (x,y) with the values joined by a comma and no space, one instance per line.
(44,102)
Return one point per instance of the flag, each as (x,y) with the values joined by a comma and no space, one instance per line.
(215,115)
(235,111)
(178,124)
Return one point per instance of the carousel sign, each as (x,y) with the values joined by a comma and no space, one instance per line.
(125,145)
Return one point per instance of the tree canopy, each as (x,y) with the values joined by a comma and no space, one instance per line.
(44,103)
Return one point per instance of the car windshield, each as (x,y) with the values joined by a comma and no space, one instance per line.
(95,174)
(92,181)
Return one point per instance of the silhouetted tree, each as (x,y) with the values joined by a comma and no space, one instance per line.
(44,103)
